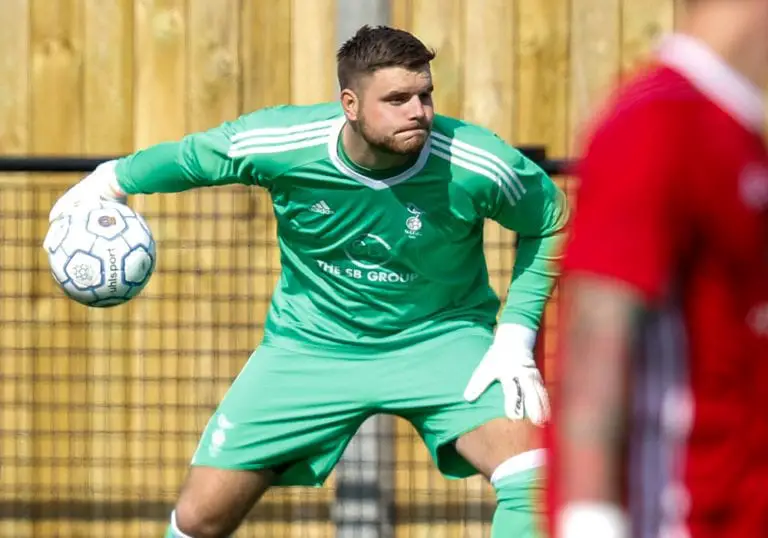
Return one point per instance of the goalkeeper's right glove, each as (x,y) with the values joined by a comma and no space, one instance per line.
(99,185)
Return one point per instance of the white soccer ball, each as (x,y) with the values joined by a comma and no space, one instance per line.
(101,255)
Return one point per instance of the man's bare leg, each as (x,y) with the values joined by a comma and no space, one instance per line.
(214,502)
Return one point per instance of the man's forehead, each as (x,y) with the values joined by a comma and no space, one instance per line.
(400,78)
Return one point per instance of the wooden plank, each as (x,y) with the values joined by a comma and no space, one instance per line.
(18,253)
(56,48)
(108,70)
(313,49)
(642,25)
(160,77)
(108,130)
(595,58)
(401,14)
(490,32)
(267,38)
(542,74)
(440,25)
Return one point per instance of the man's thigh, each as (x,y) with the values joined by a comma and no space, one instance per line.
(214,502)
(427,388)
(288,412)
(494,443)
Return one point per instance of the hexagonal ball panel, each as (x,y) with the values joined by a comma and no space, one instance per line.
(85,271)
(107,222)
(136,235)
(138,266)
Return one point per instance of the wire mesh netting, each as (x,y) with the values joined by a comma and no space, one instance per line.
(102,408)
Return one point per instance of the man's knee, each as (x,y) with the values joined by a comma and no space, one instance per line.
(191,520)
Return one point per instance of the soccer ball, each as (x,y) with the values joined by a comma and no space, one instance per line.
(101,255)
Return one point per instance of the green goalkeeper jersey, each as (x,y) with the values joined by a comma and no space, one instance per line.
(372,259)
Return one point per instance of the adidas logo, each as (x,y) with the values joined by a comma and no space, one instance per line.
(322,208)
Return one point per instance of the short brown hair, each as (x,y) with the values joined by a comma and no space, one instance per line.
(373,48)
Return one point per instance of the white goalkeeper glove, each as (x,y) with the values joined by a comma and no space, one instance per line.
(101,184)
(98,186)
(509,361)
(592,520)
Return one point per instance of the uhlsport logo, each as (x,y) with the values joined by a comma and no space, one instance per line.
(113,269)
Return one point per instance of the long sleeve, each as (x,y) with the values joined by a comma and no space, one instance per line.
(203,159)
(536,209)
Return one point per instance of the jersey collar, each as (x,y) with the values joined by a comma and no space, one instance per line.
(730,90)
(376,184)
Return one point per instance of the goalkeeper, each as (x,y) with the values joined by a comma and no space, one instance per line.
(384,303)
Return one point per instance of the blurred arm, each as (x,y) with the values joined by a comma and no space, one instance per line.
(599,322)
(622,251)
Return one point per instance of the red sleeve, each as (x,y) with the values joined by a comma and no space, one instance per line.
(623,226)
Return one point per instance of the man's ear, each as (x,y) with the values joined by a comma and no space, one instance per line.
(350,102)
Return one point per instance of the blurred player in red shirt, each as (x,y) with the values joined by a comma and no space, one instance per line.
(661,420)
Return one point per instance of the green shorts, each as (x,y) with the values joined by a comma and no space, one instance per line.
(298,411)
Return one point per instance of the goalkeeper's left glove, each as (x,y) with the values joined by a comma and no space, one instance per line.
(510,361)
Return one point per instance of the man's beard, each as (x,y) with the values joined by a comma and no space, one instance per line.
(389,144)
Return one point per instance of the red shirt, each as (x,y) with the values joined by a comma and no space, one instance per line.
(673,200)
